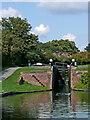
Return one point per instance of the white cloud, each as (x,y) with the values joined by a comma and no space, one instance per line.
(10,12)
(82,48)
(69,36)
(41,30)
(65,7)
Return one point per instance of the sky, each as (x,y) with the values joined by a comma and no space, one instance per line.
(52,20)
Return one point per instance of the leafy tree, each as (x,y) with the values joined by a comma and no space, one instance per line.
(84,81)
(85,78)
(63,58)
(60,46)
(18,45)
(49,55)
(33,57)
(87,48)
(82,58)
(16,40)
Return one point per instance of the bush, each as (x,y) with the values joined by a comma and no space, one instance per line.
(82,86)
(84,81)
(85,78)
(81,58)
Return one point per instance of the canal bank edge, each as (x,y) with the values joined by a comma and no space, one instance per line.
(75,75)
(15,93)
(78,89)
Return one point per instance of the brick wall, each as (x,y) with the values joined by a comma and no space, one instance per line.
(44,77)
(75,75)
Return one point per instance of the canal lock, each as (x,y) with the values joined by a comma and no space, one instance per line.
(61,78)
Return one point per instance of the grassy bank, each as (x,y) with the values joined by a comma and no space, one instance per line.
(84,65)
(84,81)
(11,83)
(82,69)
(81,86)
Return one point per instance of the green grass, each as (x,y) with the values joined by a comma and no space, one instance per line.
(41,66)
(81,86)
(11,83)
(82,69)
(83,65)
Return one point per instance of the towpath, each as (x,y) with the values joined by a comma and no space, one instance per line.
(6,73)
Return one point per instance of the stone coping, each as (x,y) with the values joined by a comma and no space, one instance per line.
(79,89)
(37,71)
(17,92)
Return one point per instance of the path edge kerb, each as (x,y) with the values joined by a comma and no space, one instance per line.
(17,92)
(79,89)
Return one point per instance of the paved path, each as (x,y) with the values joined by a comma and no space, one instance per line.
(6,73)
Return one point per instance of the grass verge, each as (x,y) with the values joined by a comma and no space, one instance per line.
(81,86)
(83,65)
(11,84)
(82,69)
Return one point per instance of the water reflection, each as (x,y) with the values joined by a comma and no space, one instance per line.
(55,104)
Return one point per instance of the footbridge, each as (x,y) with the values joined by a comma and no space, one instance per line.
(60,74)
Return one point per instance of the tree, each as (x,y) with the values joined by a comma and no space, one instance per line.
(49,55)
(60,46)
(82,58)
(87,48)
(33,57)
(16,40)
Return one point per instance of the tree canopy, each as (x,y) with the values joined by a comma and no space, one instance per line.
(19,45)
(60,46)
(82,58)
(16,40)
(87,48)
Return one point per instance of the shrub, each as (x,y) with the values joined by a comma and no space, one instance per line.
(85,78)
(84,81)
(81,85)
(81,58)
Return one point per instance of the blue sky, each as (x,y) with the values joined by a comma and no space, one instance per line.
(52,21)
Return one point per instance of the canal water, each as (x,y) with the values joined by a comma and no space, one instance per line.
(61,103)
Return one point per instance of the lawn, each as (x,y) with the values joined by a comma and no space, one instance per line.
(83,65)
(11,83)
(82,69)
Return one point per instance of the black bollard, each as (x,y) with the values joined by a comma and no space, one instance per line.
(21,80)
